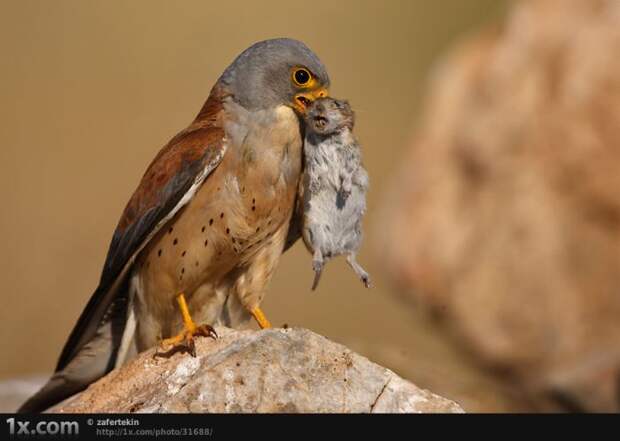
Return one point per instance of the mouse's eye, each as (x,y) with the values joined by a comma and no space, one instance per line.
(301,76)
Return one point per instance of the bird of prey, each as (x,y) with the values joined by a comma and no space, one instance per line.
(203,233)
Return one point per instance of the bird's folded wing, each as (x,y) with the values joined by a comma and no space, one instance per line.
(168,184)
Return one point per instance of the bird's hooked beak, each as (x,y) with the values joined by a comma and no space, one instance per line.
(303,101)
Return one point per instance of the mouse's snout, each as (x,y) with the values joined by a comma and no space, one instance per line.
(320,122)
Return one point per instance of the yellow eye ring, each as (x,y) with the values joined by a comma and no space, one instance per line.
(301,76)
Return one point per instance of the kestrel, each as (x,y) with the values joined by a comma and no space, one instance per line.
(205,229)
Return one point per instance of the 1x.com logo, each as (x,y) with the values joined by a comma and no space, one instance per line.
(19,428)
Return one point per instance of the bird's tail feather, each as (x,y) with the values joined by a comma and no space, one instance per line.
(95,359)
(54,391)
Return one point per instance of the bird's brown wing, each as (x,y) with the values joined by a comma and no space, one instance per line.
(168,184)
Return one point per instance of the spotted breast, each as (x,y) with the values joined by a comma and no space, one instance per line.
(221,249)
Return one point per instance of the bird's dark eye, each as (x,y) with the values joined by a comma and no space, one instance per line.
(301,76)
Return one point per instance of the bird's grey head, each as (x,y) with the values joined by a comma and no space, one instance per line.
(276,72)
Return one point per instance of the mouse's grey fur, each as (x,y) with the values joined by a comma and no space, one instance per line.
(334,186)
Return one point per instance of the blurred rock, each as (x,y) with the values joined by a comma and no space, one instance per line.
(506,219)
(277,370)
(438,367)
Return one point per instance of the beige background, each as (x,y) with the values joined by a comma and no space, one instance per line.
(91,90)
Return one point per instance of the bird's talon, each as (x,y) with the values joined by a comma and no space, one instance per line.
(184,342)
(207,331)
(191,347)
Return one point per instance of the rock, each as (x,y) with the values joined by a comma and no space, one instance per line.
(436,366)
(505,222)
(276,370)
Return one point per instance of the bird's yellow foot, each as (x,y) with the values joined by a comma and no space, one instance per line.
(260,318)
(184,341)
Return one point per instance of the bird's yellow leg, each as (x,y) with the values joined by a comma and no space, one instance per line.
(186,337)
(260,318)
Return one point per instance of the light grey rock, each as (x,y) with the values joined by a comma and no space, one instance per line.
(276,370)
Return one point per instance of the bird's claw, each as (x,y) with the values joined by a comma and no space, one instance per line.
(184,342)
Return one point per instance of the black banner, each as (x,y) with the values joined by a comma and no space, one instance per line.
(269,427)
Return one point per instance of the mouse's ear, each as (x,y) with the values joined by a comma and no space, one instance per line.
(352,113)
(344,105)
